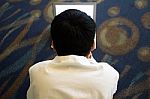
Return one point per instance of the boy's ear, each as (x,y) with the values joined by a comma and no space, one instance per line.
(52,45)
(93,46)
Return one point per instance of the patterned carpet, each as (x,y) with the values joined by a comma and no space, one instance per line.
(123,40)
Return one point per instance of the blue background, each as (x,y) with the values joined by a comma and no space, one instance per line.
(25,40)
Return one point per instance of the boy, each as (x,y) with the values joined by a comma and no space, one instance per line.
(72,74)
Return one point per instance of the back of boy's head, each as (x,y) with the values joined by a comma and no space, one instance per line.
(73,32)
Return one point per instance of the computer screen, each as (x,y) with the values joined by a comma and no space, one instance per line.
(88,7)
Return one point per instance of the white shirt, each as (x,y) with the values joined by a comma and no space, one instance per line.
(72,77)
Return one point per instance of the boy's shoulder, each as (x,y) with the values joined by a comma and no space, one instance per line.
(39,65)
(108,68)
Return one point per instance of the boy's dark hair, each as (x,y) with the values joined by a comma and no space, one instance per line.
(73,32)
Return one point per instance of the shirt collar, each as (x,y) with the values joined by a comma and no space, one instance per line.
(71,59)
(74,61)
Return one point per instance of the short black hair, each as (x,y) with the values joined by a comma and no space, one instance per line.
(73,33)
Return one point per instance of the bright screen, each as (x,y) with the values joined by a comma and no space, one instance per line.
(88,9)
